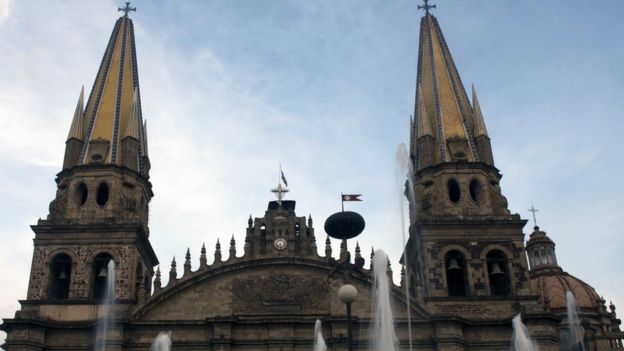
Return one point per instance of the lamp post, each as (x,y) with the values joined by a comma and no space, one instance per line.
(348,294)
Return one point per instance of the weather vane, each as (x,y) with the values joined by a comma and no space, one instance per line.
(126,9)
(426,6)
(533,210)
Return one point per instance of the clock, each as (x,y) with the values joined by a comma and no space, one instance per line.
(280,243)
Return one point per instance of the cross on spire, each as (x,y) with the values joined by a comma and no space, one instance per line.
(426,6)
(126,9)
(533,210)
(279,192)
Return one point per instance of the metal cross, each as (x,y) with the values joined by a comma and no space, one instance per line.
(426,6)
(126,9)
(279,192)
(533,210)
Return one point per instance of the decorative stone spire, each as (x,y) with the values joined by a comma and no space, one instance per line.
(328,248)
(73,145)
(343,249)
(217,254)
(441,99)
(75,132)
(358,251)
(157,282)
(250,222)
(403,275)
(203,261)
(113,109)
(172,273)
(187,261)
(372,256)
(481,137)
(232,248)
(309,221)
(423,148)
(133,124)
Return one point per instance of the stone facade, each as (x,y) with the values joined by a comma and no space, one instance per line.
(465,264)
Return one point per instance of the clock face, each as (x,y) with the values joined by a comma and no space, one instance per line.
(280,243)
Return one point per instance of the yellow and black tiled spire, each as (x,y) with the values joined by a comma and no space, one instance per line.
(113,109)
(442,108)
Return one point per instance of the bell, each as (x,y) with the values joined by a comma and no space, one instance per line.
(453,265)
(103,273)
(496,269)
(62,275)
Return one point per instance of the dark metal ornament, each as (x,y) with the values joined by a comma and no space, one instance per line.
(344,225)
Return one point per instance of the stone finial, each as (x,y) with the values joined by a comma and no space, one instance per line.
(217,254)
(250,222)
(157,282)
(328,248)
(389,271)
(403,275)
(611,307)
(358,251)
(372,256)
(187,261)
(309,221)
(203,261)
(172,273)
(343,249)
(232,248)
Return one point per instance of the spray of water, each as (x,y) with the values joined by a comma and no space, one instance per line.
(403,172)
(574,324)
(107,309)
(162,342)
(384,337)
(521,339)
(319,342)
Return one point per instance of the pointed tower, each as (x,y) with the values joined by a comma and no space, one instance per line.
(100,212)
(464,243)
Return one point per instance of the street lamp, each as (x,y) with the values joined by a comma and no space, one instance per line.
(348,294)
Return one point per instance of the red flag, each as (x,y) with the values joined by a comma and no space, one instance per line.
(351,197)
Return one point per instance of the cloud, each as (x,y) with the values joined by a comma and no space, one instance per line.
(4,10)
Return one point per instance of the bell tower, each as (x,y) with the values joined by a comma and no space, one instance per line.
(100,211)
(464,243)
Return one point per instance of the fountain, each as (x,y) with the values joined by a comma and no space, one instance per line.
(384,337)
(162,342)
(575,340)
(404,170)
(319,342)
(107,309)
(521,340)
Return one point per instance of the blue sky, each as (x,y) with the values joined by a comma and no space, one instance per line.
(230,89)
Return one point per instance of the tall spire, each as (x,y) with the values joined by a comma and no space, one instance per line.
(441,99)
(113,110)
(75,132)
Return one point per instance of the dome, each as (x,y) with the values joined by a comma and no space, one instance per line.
(552,287)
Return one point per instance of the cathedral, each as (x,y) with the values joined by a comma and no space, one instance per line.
(467,269)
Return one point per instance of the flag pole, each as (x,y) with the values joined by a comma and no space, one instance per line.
(342,201)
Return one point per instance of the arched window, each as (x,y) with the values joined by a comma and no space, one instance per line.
(498,273)
(100,275)
(475,191)
(60,276)
(455,264)
(81,194)
(453,191)
(102,194)
(297,229)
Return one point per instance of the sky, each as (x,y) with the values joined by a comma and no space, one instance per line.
(233,88)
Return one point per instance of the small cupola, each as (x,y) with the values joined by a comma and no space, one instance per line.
(541,251)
